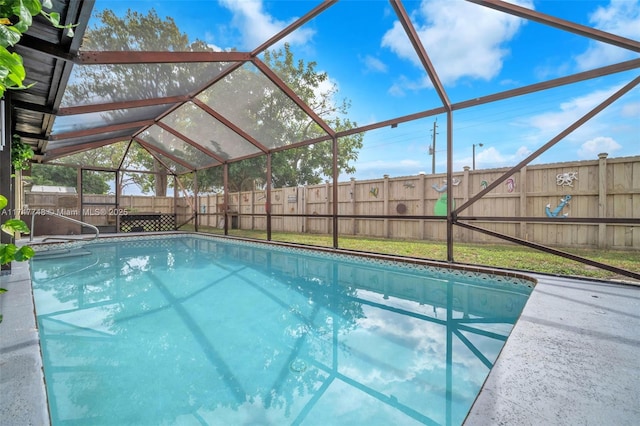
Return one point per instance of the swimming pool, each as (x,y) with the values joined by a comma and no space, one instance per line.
(204,330)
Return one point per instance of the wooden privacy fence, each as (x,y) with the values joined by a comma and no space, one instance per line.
(603,188)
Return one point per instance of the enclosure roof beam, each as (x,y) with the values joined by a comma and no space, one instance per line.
(100,130)
(74,149)
(126,153)
(110,106)
(550,84)
(420,50)
(160,57)
(582,30)
(303,143)
(149,172)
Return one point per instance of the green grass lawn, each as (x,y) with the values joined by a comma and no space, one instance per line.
(499,255)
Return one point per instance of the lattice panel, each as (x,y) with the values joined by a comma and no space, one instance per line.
(147,222)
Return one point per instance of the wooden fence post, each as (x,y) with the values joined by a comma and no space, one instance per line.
(602,199)
(252,210)
(327,205)
(352,196)
(466,188)
(385,191)
(522,187)
(423,203)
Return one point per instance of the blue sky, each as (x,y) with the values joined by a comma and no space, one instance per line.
(476,52)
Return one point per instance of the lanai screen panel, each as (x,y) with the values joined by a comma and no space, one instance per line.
(199,126)
(97,84)
(75,122)
(251,101)
(168,143)
(108,156)
(173,166)
(83,141)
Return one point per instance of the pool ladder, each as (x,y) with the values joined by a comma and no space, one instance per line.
(66,238)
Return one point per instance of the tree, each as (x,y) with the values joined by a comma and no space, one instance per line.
(113,83)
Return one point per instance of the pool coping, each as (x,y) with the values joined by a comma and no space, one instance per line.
(570,359)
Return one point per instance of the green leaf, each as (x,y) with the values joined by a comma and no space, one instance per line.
(12,62)
(3,290)
(25,15)
(35,6)
(9,36)
(24,253)
(54,18)
(15,225)
(13,72)
(3,202)
(7,253)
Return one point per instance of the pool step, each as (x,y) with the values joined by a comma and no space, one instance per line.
(61,253)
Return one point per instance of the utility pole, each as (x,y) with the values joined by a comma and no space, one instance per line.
(432,148)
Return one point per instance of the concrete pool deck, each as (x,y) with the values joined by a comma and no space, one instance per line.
(572,358)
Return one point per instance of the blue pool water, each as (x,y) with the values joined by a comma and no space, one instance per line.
(193,330)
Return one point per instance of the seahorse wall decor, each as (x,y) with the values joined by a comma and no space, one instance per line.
(511,185)
(374,191)
(563,202)
(484,184)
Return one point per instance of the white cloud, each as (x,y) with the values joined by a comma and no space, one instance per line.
(631,109)
(257,26)
(374,64)
(553,122)
(492,157)
(593,147)
(620,17)
(461,39)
